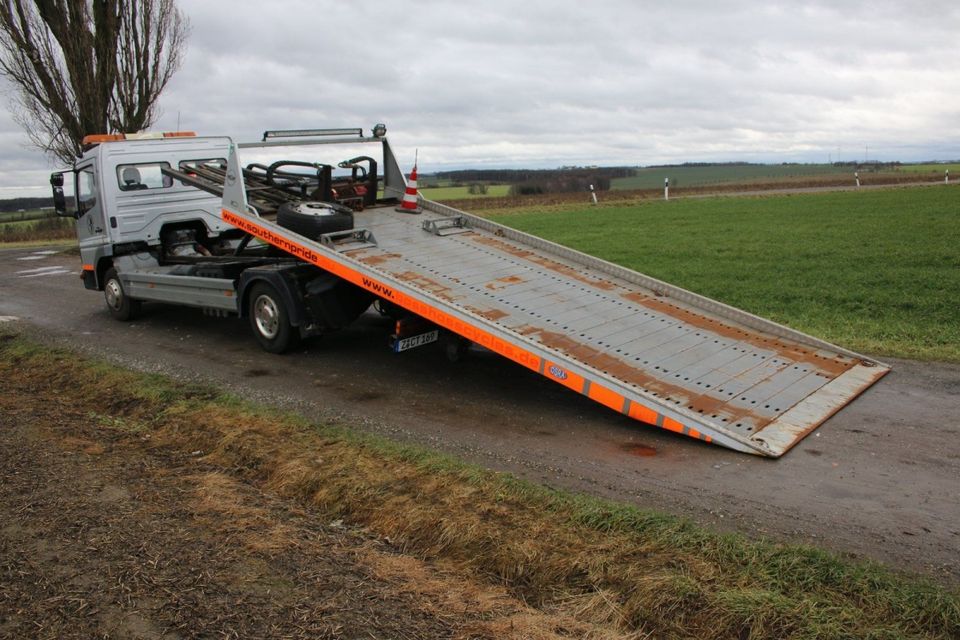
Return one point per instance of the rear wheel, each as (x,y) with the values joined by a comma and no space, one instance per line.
(455,347)
(121,306)
(270,319)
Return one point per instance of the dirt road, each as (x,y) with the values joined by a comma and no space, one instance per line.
(150,541)
(878,480)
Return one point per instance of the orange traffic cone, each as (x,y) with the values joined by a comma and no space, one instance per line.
(411,201)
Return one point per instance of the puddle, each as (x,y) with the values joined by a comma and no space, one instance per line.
(641,450)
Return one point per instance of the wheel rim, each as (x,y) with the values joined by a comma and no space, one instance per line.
(267,316)
(114,294)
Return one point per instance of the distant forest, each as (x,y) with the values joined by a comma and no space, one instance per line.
(534,181)
(513,176)
(27,204)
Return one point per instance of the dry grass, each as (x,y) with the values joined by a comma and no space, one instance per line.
(610,569)
(219,504)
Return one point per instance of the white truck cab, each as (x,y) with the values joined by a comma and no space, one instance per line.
(124,201)
(150,226)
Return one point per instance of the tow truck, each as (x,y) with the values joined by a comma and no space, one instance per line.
(304,247)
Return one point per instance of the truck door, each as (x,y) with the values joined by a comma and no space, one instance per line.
(91,227)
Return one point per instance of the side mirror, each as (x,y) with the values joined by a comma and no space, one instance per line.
(59,200)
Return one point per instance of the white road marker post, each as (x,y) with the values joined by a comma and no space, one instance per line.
(593,194)
(666,188)
(856,174)
(946,176)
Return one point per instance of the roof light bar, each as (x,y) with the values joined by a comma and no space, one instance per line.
(98,138)
(302,133)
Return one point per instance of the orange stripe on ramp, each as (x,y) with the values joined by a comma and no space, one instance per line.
(606,397)
(640,412)
(673,425)
(560,374)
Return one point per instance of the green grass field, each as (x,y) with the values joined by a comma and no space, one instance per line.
(32,214)
(462,193)
(16,225)
(877,271)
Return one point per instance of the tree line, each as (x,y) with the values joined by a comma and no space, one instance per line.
(537,181)
(26,204)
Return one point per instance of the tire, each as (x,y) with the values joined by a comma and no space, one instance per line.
(455,348)
(313,219)
(387,309)
(270,319)
(120,306)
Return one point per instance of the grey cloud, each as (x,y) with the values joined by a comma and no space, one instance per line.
(549,83)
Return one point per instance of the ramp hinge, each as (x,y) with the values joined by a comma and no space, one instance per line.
(348,240)
(446,226)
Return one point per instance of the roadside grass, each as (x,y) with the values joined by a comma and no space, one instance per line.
(29,223)
(42,230)
(65,247)
(620,568)
(873,271)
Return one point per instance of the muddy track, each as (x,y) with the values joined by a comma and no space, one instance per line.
(149,541)
(878,480)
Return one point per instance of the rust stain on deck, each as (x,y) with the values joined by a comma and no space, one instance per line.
(501,283)
(708,406)
(526,329)
(792,352)
(379,258)
(545,262)
(425,283)
(489,314)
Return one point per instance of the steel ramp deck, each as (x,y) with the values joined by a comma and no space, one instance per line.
(701,374)
(660,354)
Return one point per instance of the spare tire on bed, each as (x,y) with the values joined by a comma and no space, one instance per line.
(313,219)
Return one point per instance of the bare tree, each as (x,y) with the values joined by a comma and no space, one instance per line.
(88,66)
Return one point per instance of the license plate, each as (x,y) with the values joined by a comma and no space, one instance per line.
(416,341)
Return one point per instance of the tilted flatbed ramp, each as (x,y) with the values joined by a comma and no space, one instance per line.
(655,352)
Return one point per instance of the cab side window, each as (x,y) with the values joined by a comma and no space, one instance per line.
(205,163)
(86,190)
(137,177)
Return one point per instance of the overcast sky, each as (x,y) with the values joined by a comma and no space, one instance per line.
(547,83)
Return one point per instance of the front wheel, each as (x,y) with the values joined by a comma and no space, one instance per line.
(270,319)
(121,306)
